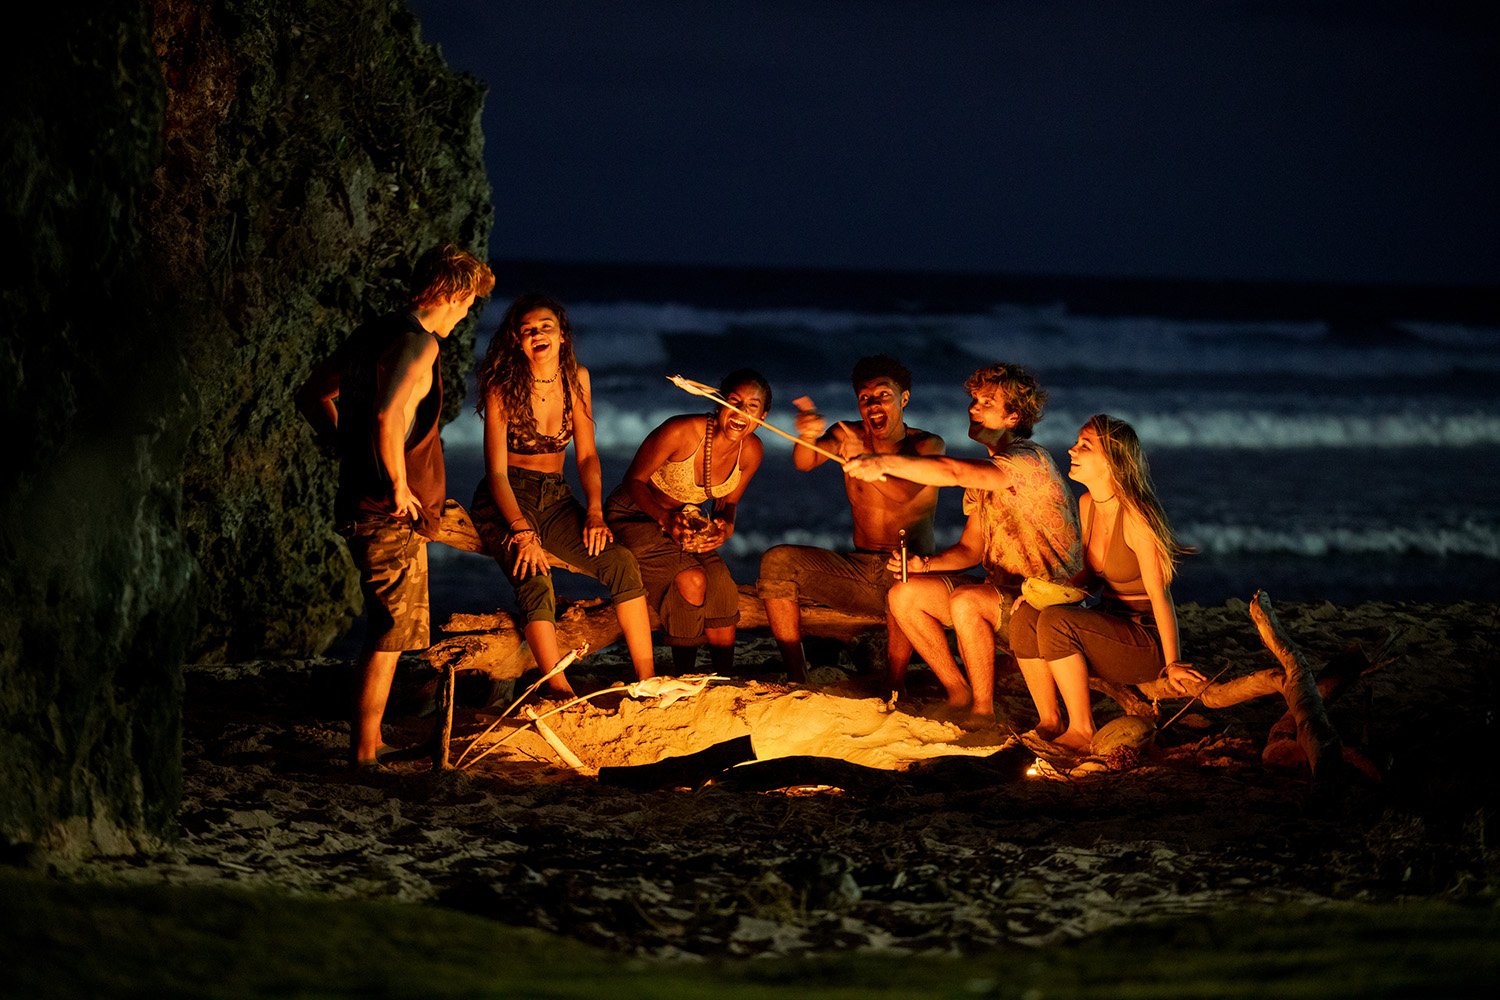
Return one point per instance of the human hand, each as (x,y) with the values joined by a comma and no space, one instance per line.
(709,538)
(530,556)
(1182,679)
(850,443)
(685,523)
(596,533)
(869,468)
(810,423)
(408,507)
(914,563)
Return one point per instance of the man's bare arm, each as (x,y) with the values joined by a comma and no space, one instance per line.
(395,411)
(317,400)
(902,491)
(930,470)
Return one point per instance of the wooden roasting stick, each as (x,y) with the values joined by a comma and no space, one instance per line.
(709,392)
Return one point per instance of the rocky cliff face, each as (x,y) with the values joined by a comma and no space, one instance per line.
(207,198)
(311,151)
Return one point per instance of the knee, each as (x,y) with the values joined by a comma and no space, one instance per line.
(776,564)
(901,599)
(692,584)
(1055,636)
(777,579)
(972,607)
(1022,638)
(618,570)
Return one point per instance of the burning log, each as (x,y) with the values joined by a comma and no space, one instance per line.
(957,772)
(685,771)
(795,772)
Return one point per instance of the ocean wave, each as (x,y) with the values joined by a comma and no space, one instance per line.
(1470,540)
(637,334)
(621,429)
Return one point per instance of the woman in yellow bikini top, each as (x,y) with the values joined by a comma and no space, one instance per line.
(692,460)
(679,481)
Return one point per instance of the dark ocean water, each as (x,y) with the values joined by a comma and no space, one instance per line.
(1338,444)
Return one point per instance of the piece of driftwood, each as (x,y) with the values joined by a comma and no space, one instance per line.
(556,743)
(493,643)
(731,765)
(1282,748)
(443,734)
(961,772)
(957,772)
(1316,735)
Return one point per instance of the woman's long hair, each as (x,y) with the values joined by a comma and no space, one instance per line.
(506,371)
(1127,464)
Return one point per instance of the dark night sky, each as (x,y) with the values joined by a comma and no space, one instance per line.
(1351,141)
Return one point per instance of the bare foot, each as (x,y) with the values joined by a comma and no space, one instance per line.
(1046,732)
(975,722)
(375,761)
(1074,740)
(560,687)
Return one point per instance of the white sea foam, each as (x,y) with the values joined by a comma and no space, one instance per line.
(1469,540)
(1389,451)
(620,429)
(1049,338)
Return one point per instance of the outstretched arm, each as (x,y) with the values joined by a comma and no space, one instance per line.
(812,429)
(930,470)
(902,491)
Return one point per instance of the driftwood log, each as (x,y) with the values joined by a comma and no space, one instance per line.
(493,643)
(731,765)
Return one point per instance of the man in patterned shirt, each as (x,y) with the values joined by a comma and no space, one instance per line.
(1022,523)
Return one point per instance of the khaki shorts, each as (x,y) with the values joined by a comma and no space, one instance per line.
(392,561)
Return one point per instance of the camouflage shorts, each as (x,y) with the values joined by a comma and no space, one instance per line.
(392,561)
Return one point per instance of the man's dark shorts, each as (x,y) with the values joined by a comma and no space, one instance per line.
(854,582)
(392,561)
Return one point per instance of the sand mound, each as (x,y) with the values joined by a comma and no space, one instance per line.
(780,721)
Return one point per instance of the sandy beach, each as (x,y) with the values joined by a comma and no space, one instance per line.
(1200,824)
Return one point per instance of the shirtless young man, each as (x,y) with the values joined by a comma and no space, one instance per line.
(379,399)
(856,581)
(1021,523)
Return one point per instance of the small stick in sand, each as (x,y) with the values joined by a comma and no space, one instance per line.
(709,392)
(555,742)
(565,661)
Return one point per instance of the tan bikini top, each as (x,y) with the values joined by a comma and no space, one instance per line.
(679,480)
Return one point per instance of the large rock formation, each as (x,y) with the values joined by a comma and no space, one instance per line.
(206,198)
(312,149)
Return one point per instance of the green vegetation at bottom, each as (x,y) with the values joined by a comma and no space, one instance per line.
(60,939)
